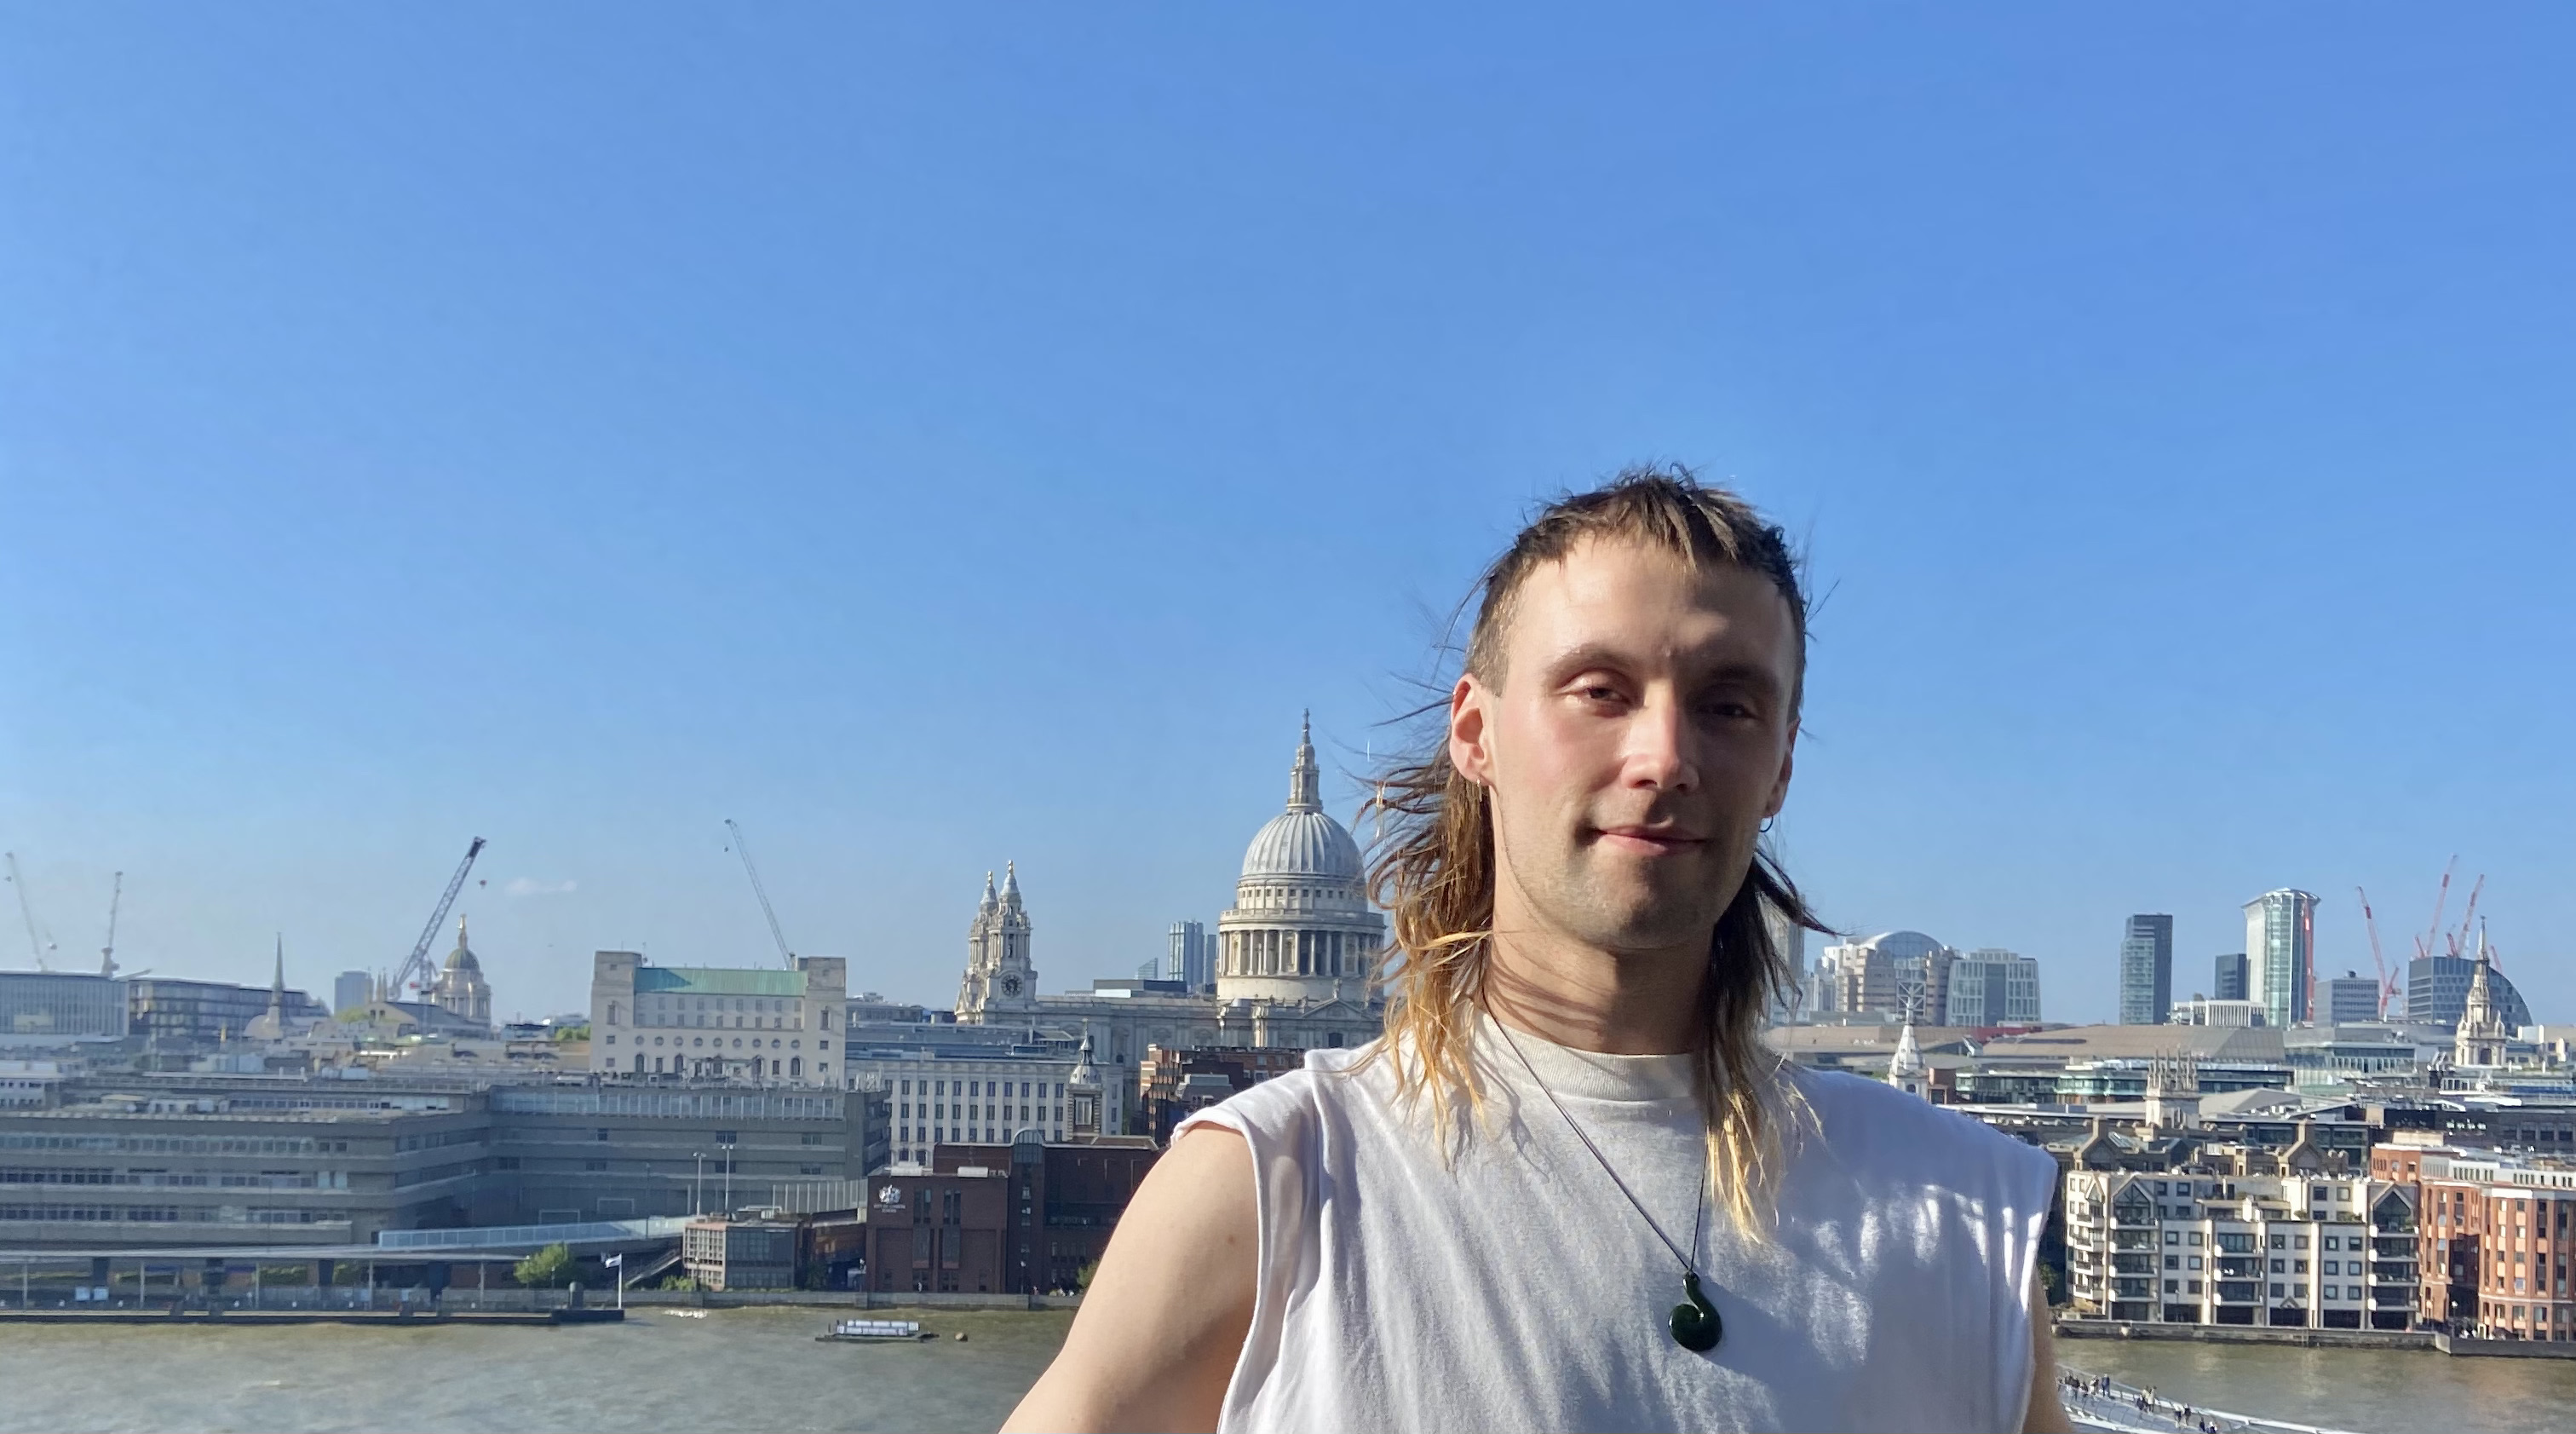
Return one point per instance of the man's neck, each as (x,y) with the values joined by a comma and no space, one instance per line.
(1617,1003)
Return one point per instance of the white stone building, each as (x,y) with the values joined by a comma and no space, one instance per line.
(776,1026)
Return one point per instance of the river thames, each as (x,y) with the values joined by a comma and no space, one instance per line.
(762,1370)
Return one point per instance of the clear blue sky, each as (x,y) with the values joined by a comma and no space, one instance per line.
(936,440)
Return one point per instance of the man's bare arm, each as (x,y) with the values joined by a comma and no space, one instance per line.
(1165,1317)
(2046,1414)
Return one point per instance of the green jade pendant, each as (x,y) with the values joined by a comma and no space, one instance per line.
(1696,1326)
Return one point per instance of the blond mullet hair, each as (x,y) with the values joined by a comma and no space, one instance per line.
(1433,864)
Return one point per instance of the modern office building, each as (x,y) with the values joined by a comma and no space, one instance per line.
(351,990)
(1192,959)
(2437,991)
(169,1011)
(617,1152)
(2350,999)
(1993,987)
(2280,949)
(2229,982)
(1882,976)
(47,1003)
(2146,970)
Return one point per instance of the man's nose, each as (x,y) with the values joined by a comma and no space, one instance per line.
(1661,750)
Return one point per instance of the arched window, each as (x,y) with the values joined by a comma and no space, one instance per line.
(796,1065)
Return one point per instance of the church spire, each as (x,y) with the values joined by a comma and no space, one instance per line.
(277,981)
(1304,779)
(1010,884)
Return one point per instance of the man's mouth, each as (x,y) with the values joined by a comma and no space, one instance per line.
(1651,841)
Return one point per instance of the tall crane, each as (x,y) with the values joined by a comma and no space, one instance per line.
(2433,933)
(107,953)
(742,849)
(415,973)
(2468,916)
(38,945)
(2378,963)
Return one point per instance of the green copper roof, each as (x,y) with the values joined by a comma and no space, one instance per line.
(719,981)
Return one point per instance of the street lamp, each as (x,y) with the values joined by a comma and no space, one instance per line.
(698,1185)
(728,1174)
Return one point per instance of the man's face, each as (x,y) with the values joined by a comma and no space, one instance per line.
(1638,737)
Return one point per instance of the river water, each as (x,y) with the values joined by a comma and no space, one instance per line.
(750,1369)
(761,1369)
(2373,1391)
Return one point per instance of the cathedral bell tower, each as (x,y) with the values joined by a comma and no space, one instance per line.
(999,979)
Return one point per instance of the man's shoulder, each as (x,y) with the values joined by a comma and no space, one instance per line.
(1870,1121)
(1328,1077)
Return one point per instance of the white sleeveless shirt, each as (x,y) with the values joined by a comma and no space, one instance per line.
(1514,1288)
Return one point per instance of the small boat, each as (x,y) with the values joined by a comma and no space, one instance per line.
(875,1331)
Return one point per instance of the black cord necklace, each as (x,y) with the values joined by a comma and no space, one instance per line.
(1695,1325)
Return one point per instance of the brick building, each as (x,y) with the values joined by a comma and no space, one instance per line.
(983,1219)
(2494,1239)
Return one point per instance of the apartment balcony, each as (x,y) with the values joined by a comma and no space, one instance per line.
(2142,1263)
(2239,1292)
(2131,1289)
(2133,1239)
(2240,1266)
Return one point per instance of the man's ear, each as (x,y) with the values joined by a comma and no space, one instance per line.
(1467,732)
(1780,786)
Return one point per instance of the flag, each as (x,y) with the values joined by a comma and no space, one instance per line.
(612,1262)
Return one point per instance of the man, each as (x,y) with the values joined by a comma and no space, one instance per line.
(1570,1188)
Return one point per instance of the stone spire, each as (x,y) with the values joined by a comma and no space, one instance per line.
(1905,1068)
(1010,885)
(277,983)
(2481,1037)
(990,901)
(1305,779)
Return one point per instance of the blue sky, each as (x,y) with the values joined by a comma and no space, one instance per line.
(935,440)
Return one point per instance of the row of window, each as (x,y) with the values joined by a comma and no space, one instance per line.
(941,1110)
(2240,1242)
(226,1180)
(171,1214)
(983,1087)
(2324,1292)
(175,1144)
(701,1041)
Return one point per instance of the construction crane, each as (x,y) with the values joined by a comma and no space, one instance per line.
(2424,943)
(107,953)
(742,849)
(40,946)
(2459,941)
(2378,963)
(415,972)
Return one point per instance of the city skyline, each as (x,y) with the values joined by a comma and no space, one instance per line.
(942,441)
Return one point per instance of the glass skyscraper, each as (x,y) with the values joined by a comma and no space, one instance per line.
(2146,971)
(2280,949)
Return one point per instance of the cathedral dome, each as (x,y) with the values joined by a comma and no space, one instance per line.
(1307,845)
(1303,843)
(462,958)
